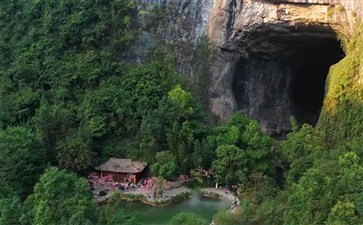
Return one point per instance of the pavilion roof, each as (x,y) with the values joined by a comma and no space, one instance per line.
(122,166)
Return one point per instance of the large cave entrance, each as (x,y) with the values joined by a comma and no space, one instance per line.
(313,59)
(283,75)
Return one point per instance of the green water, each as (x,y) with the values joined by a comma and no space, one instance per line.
(148,215)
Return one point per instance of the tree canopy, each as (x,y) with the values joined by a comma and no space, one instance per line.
(62,198)
(22,159)
(70,99)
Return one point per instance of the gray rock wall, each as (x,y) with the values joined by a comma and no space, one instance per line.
(241,30)
(177,23)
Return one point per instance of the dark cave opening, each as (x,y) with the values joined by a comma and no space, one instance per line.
(285,78)
(313,59)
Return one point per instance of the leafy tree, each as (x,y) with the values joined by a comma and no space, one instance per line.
(203,154)
(11,210)
(226,218)
(301,147)
(100,110)
(74,153)
(181,140)
(230,165)
(22,159)
(326,193)
(241,148)
(343,213)
(183,102)
(165,165)
(5,190)
(187,219)
(52,123)
(113,214)
(152,135)
(272,210)
(62,198)
(175,126)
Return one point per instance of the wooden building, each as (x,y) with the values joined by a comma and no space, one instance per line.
(123,170)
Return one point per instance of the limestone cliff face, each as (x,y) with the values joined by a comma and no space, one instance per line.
(173,22)
(264,50)
(184,19)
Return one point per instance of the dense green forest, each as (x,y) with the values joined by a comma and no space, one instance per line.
(68,102)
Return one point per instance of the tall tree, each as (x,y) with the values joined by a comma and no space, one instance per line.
(328,193)
(62,198)
(230,165)
(52,124)
(241,148)
(74,153)
(165,165)
(22,159)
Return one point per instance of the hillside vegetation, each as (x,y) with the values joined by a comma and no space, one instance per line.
(69,102)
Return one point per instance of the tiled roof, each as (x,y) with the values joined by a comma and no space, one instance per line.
(122,166)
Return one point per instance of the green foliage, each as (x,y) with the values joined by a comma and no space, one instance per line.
(230,165)
(226,218)
(22,159)
(343,213)
(182,101)
(74,153)
(175,126)
(5,190)
(11,210)
(271,211)
(52,124)
(327,192)
(257,188)
(62,198)
(341,116)
(61,75)
(301,147)
(120,104)
(241,149)
(165,165)
(58,47)
(111,214)
(187,219)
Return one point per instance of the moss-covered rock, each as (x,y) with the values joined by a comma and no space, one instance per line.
(342,114)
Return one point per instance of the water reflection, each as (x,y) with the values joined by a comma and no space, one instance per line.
(147,215)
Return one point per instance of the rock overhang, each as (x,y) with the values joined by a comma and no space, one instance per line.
(260,39)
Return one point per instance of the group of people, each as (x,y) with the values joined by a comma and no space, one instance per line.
(125,187)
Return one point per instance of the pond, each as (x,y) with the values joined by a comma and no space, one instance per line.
(148,215)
